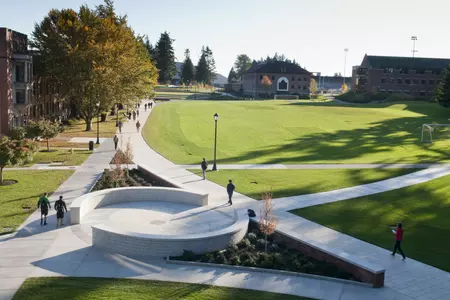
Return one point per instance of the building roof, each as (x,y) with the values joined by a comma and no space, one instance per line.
(396,62)
(277,67)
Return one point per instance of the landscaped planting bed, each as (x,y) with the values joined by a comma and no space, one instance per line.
(250,252)
(127,178)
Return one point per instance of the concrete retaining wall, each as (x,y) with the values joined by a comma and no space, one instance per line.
(86,203)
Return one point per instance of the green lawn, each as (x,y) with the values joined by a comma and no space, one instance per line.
(106,289)
(31,185)
(284,183)
(296,132)
(424,210)
(61,155)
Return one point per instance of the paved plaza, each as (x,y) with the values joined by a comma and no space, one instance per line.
(45,251)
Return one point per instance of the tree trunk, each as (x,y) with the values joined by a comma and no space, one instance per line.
(265,245)
(48,148)
(1,175)
(88,124)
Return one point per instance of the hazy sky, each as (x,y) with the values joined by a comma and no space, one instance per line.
(314,33)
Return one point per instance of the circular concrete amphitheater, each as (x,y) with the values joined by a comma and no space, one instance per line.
(156,221)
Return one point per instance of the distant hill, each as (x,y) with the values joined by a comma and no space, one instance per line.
(220,79)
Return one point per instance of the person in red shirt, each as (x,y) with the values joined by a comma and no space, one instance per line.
(398,239)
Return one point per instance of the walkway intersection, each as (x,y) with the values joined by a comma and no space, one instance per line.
(43,251)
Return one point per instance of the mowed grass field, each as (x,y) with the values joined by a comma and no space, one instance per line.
(18,201)
(115,289)
(289,132)
(285,183)
(424,210)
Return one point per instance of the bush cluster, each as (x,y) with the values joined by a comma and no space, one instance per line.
(127,178)
(250,253)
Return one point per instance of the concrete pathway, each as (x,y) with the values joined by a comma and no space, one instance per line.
(44,251)
(317,166)
(43,167)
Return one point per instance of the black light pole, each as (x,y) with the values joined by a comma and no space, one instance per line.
(117,113)
(216,117)
(98,123)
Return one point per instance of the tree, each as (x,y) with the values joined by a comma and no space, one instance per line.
(344,88)
(242,64)
(443,89)
(165,58)
(188,69)
(266,83)
(15,152)
(232,76)
(149,47)
(205,71)
(267,222)
(211,64)
(94,57)
(338,74)
(48,130)
(313,86)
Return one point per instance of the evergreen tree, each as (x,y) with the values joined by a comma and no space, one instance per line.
(165,58)
(206,67)
(187,71)
(232,76)
(149,47)
(443,89)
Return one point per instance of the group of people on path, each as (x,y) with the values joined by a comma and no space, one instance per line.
(44,205)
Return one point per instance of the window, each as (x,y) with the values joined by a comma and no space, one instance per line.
(383,91)
(399,81)
(20,96)
(392,80)
(20,72)
(304,87)
(305,79)
(260,77)
(408,81)
(383,80)
(299,79)
(299,86)
(273,77)
(415,81)
(431,81)
(423,81)
(292,86)
(293,78)
(422,93)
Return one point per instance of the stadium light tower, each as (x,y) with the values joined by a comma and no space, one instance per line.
(414,39)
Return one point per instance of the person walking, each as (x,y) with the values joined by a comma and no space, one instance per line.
(134,115)
(151,105)
(116,141)
(60,206)
(120,124)
(137,112)
(138,105)
(230,190)
(204,166)
(138,125)
(129,115)
(44,205)
(398,240)
(145,106)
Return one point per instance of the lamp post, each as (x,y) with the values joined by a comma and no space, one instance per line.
(414,39)
(216,118)
(345,62)
(117,114)
(98,122)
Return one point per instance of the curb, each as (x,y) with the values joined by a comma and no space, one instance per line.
(261,270)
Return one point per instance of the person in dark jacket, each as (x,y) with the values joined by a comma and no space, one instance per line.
(116,141)
(145,106)
(204,166)
(230,190)
(398,239)
(120,124)
(60,206)
(44,205)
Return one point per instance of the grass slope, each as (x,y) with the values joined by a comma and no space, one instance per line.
(423,209)
(102,288)
(64,156)
(31,185)
(295,132)
(284,183)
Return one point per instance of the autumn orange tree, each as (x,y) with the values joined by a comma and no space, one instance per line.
(266,83)
(267,221)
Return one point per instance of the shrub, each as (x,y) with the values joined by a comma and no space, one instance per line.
(252,237)
(244,244)
(234,260)
(220,258)
(250,262)
(274,248)
(245,256)
(188,255)
(260,244)
(208,257)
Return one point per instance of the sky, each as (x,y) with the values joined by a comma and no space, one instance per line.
(314,33)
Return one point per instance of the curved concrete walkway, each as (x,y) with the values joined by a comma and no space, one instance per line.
(44,251)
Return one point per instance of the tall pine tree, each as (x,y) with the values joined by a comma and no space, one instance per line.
(149,47)
(165,58)
(232,76)
(206,67)
(187,71)
(443,89)
(211,63)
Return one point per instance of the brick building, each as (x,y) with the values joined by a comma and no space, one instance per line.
(287,78)
(23,94)
(416,76)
